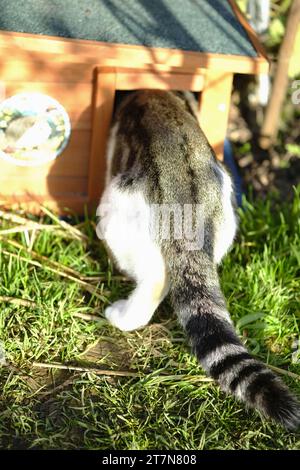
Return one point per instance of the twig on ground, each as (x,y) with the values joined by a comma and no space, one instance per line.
(27,224)
(94,370)
(88,287)
(25,228)
(59,387)
(33,254)
(124,373)
(14,300)
(63,267)
(284,372)
(88,317)
(32,239)
(70,228)
(103,278)
(17,219)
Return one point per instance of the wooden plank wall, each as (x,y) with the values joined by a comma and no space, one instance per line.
(66,177)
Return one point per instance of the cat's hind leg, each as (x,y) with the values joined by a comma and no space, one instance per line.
(125,227)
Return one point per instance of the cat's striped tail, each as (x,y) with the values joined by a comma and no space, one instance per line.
(202,312)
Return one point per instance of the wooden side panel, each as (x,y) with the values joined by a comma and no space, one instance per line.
(75,97)
(66,177)
(103,103)
(50,186)
(43,68)
(74,161)
(214,108)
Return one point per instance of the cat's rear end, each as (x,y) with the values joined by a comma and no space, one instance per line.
(167,216)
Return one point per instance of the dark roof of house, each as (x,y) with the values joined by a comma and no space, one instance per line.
(193,25)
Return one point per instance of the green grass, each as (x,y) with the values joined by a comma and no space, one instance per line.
(52,314)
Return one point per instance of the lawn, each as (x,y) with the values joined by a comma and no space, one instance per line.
(69,380)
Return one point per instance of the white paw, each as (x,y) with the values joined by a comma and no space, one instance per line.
(115,312)
(119,315)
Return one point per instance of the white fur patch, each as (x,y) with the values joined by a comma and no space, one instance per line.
(226,230)
(110,151)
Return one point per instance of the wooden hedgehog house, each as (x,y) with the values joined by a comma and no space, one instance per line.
(62,63)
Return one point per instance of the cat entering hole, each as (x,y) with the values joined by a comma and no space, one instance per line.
(167,215)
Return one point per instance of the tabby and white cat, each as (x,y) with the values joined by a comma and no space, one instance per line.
(158,157)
